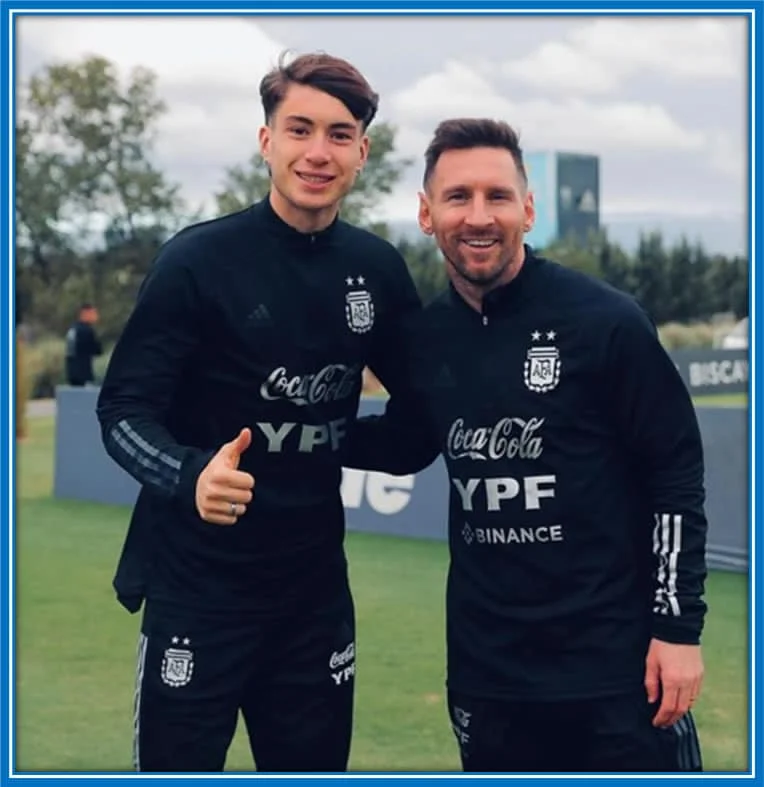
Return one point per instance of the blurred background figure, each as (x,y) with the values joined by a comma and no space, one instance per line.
(82,345)
(22,381)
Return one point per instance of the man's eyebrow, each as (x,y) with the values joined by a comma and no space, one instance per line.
(339,125)
(300,119)
(462,187)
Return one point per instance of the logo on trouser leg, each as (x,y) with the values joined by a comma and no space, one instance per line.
(345,661)
(460,722)
(178,664)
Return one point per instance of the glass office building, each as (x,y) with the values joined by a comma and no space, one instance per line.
(566,189)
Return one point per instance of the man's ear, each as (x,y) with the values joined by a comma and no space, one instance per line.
(424,216)
(264,137)
(365,147)
(529,207)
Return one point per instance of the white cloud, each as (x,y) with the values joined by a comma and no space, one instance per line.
(455,90)
(690,207)
(677,46)
(208,71)
(199,52)
(596,57)
(728,157)
(401,205)
(562,67)
(410,142)
(596,128)
(571,123)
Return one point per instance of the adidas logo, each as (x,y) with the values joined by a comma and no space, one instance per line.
(259,314)
(444,378)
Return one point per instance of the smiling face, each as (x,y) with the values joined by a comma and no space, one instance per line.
(477,205)
(315,149)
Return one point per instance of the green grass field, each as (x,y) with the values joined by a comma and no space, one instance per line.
(722,400)
(75,649)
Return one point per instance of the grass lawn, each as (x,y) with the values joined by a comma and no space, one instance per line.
(75,647)
(722,400)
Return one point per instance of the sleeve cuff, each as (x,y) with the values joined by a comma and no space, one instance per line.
(678,633)
(190,471)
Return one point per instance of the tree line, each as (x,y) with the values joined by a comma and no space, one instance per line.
(92,210)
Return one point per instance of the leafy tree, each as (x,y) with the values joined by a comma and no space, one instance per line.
(40,199)
(650,284)
(727,285)
(574,253)
(243,185)
(686,268)
(96,136)
(85,182)
(616,266)
(426,266)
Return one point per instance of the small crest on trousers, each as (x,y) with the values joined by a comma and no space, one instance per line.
(178,664)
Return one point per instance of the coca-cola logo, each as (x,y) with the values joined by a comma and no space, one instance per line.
(343,657)
(509,438)
(331,384)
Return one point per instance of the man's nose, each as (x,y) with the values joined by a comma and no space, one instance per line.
(479,214)
(318,150)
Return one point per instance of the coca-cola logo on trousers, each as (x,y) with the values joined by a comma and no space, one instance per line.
(342,664)
(334,382)
(509,438)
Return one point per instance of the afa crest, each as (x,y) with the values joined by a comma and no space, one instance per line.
(359,310)
(177,666)
(542,365)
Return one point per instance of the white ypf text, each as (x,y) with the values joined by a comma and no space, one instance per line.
(307,436)
(492,491)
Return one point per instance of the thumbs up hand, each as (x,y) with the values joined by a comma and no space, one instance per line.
(222,490)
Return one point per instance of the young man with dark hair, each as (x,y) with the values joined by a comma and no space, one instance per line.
(228,397)
(577,530)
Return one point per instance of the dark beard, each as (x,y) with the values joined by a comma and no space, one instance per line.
(477,281)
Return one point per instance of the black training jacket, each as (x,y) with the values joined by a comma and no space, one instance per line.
(576,527)
(244,322)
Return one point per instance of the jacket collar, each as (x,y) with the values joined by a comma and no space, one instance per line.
(506,294)
(275,225)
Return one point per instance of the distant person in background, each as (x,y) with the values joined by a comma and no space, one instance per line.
(577,528)
(82,345)
(22,380)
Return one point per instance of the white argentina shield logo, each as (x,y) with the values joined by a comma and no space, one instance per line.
(359,310)
(542,369)
(177,666)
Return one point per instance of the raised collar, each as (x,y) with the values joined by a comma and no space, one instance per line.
(501,297)
(274,224)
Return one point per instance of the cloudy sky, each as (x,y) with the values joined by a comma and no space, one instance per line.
(661,100)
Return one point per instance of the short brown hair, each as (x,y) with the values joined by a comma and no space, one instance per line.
(332,75)
(467,133)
